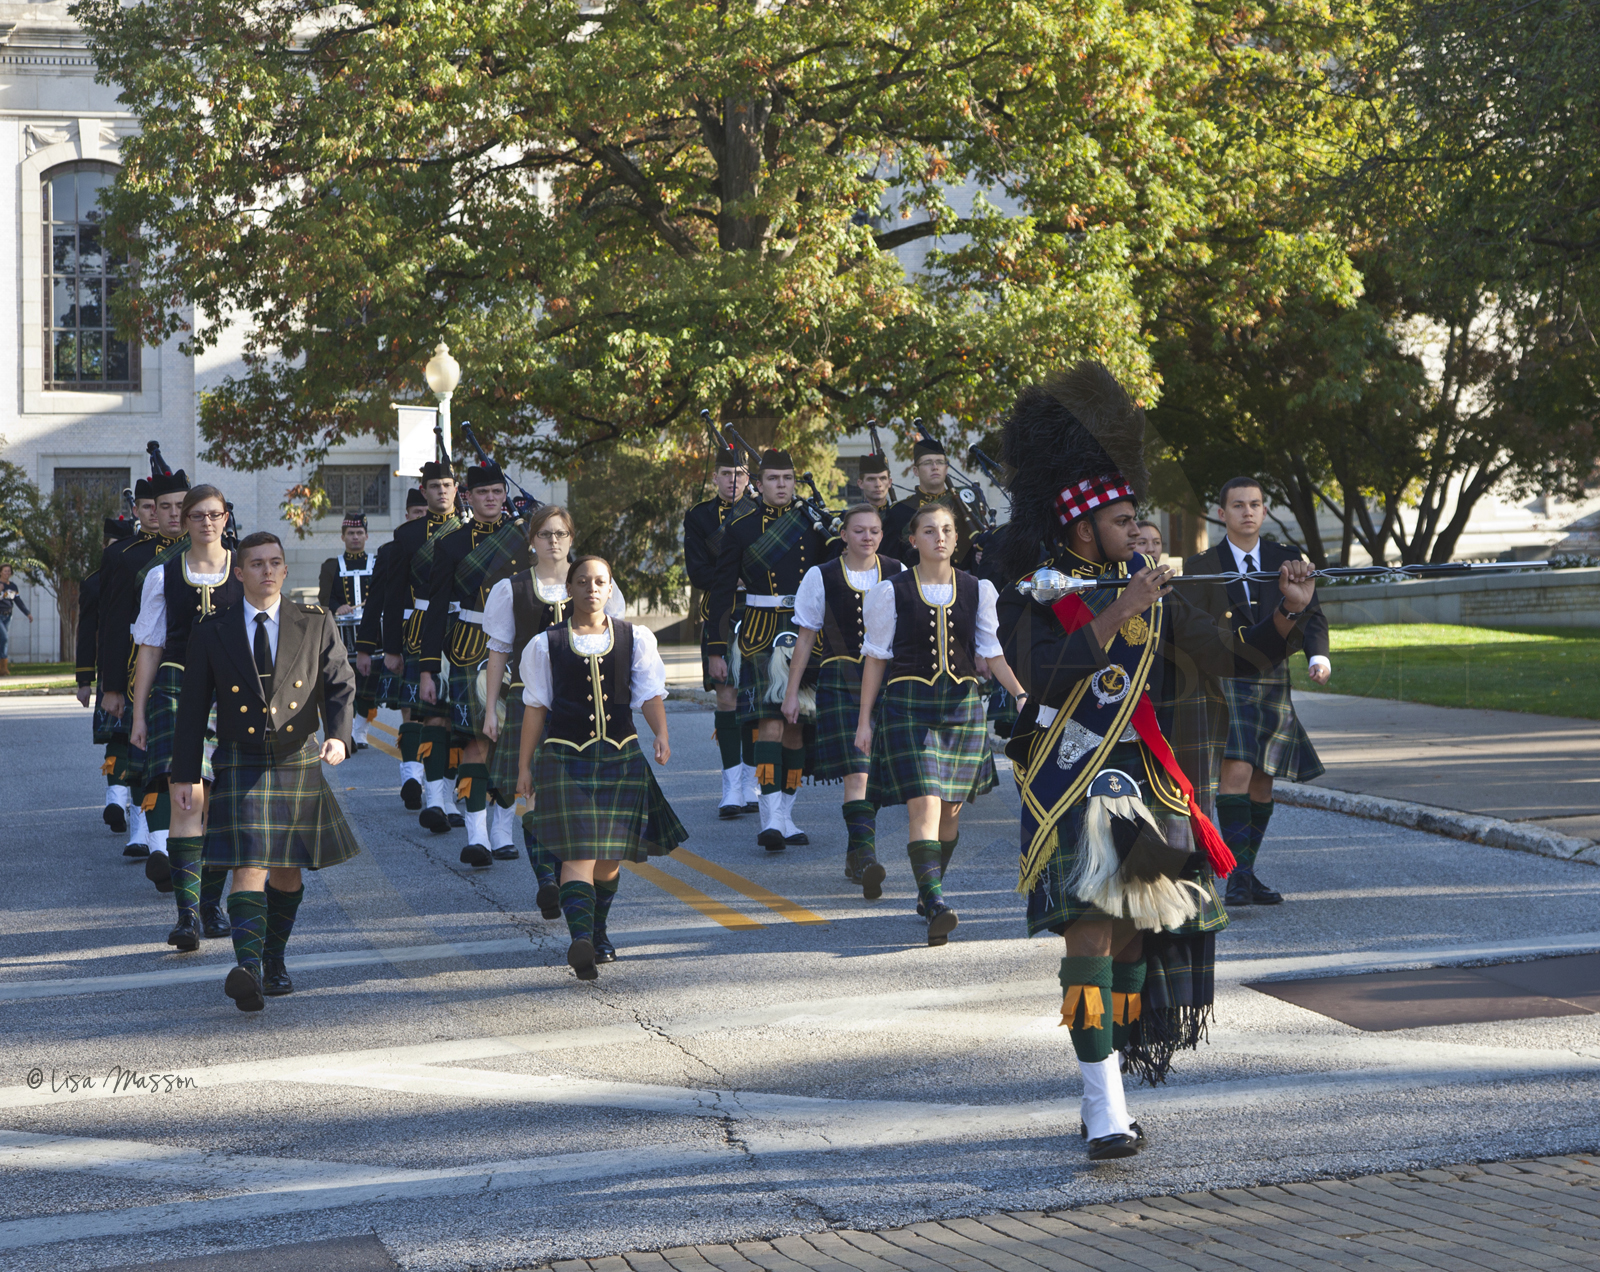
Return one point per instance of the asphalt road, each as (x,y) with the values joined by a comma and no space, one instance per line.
(441,1080)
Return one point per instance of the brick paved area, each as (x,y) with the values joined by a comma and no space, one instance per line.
(1500,1217)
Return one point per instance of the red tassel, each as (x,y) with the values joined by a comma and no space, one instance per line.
(1205,834)
(1211,843)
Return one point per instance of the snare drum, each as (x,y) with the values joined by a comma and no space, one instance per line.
(348,624)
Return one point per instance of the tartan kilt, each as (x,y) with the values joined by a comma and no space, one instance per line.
(1051,908)
(161,720)
(107,729)
(398,689)
(503,761)
(459,699)
(600,804)
(274,814)
(834,756)
(367,687)
(1264,731)
(755,678)
(930,740)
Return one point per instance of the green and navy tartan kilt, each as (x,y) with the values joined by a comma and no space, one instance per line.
(503,761)
(274,814)
(835,757)
(1264,731)
(161,719)
(107,729)
(930,740)
(398,689)
(600,804)
(458,699)
(1051,908)
(367,686)
(754,680)
(705,649)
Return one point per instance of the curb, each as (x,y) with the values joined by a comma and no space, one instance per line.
(1493,831)
(35,691)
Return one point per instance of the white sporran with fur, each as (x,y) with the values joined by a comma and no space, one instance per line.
(783,647)
(1098,877)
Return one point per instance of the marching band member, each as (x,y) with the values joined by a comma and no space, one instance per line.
(344,589)
(370,643)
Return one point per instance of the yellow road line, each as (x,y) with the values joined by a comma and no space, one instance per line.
(794,913)
(382,746)
(693,897)
(379,724)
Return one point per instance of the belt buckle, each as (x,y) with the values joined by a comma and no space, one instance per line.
(786,602)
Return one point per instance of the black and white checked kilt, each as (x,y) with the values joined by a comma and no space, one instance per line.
(930,740)
(1051,907)
(834,757)
(161,721)
(503,762)
(600,804)
(274,814)
(1264,731)
(105,727)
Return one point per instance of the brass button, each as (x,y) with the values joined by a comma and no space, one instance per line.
(288,728)
(244,709)
(251,729)
(293,706)
(236,688)
(274,710)
(297,684)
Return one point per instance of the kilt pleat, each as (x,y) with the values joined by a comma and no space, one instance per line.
(281,813)
(161,721)
(106,728)
(503,762)
(930,740)
(834,756)
(600,804)
(1265,732)
(754,680)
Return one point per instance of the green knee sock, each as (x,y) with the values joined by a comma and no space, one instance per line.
(747,744)
(769,767)
(605,892)
(183,853)
(434,751)
(158,810)
(1127,988)
(472,787)
(794,768)
(248,913)
(1260,815)
(116,765)
(281,909)
(1086,1004)
(947,849)
(924,854)
(861,825)
(727,730)
(577,905)
(410,740)
(1233,820)
(213,879)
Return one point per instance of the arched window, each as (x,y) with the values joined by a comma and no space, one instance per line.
(81,349)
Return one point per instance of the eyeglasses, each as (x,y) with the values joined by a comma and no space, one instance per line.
(552,536)
(208,516)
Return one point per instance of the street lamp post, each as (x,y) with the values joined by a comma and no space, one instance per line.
(443,373)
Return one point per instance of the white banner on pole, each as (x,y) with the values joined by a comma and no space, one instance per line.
(416,439)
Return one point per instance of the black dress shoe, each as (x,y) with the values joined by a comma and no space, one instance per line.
(1260,894)
(458,820)
(872,877)
(580,958)
(186,936)
(604,951)
(214,920)
(244,988)
(136,850)
(797,840)
(1109,1147)
(505,852)
(411,793)
(158,869)
(433,819)
(1238,892)
(942,921)
(772,840)
(729,811)
(275,980)
(549,901)
(1134,1127)
(476,855)
(754,806)
(115,818)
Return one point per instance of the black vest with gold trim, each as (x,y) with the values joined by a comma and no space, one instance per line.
(532,614)
(934,640)
(843,628)
(187,601)
(591,694)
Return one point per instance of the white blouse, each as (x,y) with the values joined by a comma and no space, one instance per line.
(500,619)
(877,616)
(811,599)
(649,678)
(150,628)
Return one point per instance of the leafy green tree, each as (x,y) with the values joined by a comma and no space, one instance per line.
(799,213)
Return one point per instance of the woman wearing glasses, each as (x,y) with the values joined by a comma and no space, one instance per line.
(192,584)
(518,609)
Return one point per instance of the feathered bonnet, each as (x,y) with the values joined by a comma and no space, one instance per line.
(1072,444)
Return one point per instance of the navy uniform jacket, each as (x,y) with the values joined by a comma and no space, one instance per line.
(742,530)
(369,636)
(335,589)
(1226,602)
(119,603)
(897,517)
(310,675)
(397,598)
(88,628)
(702,542)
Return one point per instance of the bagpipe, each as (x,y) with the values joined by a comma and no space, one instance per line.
(969,494)
(1049,585)
(877,449)
(823,518)
(524,501)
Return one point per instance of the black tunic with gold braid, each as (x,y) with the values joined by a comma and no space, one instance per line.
(465,566)
(702,543)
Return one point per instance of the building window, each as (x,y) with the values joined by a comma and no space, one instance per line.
(357,487)
(93,487)
(82,351)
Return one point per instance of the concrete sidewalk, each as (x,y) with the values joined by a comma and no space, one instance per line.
(1536,769)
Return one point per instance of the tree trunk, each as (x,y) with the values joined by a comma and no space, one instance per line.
(744,120)
(67,618)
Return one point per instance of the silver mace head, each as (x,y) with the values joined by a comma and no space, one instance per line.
(1048,586)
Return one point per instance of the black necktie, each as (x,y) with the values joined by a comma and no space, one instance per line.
(1249,568)
(263,652)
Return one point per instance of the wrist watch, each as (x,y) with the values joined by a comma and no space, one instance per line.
(1290,616)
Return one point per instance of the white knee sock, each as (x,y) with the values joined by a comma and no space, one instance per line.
(747,779)
(119,796)
(433,793)
(502,826)
(478,827)
(138,827)
(786,812)
(411,771)
(158,841)
(1104,1110)
(448,803)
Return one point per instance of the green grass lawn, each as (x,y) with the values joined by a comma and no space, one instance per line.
(40,669)
(1553,670)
